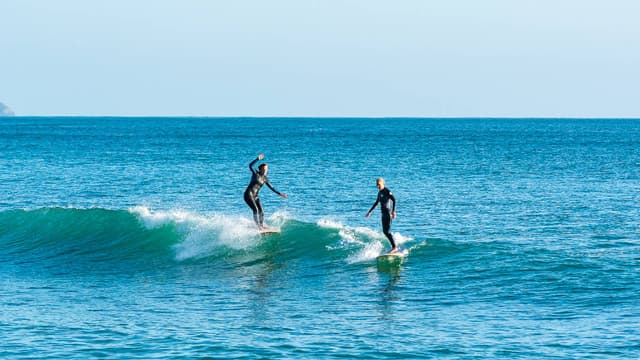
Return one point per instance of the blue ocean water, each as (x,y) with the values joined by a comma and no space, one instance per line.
(129,238)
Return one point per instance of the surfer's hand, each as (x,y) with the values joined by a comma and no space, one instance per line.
(368,214)
(393,214)
(260,156)
(284,195)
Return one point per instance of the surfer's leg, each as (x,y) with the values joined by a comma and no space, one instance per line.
(386,230)
(252,204)
(260,213)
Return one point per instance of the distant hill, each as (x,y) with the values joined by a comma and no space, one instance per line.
(5,111)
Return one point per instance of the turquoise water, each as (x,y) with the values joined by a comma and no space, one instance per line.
(129,238)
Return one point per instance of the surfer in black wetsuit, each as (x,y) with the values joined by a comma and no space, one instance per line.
(385,196)
(258,179)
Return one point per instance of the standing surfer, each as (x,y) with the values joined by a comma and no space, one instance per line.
(385,196)
(258,178)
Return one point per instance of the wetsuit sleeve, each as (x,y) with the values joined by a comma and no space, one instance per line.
(251,165)
(374,204)
(393,198)
(271,187)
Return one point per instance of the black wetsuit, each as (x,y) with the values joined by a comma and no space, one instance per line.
(251,194)
(385,196)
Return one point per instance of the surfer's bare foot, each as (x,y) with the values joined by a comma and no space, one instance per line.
(393,251)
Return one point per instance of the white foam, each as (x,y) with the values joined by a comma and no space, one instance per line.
(278,218)
(401,239)
(366,242)
(155,219)
(329,224)
(369,252)
(202,234)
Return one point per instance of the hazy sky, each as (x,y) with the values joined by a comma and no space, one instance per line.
(546,58)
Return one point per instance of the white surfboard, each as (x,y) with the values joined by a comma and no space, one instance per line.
(267,230)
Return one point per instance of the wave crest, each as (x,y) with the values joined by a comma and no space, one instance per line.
(147,237)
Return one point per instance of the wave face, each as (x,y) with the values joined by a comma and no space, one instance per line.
(101,239)
(71,240)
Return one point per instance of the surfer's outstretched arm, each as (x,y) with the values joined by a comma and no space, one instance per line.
(271,187)
(373,207)
(274,190)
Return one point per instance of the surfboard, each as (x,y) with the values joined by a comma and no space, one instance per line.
(269,231)
(395,258)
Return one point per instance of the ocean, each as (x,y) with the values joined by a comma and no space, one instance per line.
(129,238)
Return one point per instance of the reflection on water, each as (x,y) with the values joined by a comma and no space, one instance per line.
(388,277)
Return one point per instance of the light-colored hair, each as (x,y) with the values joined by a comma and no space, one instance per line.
(380,180)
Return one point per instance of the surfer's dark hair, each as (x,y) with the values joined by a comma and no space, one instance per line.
(261,167)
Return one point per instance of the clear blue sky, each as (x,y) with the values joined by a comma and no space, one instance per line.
(539,58)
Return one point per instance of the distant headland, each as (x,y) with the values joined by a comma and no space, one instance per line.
(5,111)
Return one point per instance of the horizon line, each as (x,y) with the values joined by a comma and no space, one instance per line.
(326,117)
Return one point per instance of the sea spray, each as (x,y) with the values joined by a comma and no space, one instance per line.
(365,243)
(202,235)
